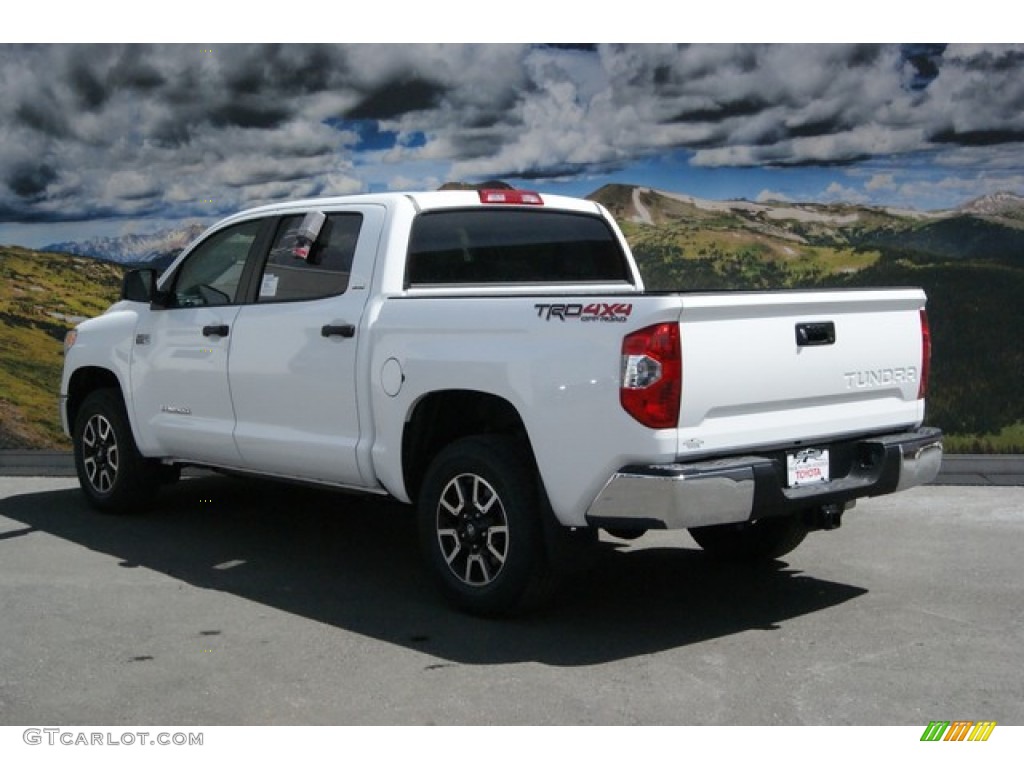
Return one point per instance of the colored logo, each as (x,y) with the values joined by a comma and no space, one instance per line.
(605,313)
(958,730)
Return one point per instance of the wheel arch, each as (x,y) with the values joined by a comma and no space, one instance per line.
(440,418)
(84,381)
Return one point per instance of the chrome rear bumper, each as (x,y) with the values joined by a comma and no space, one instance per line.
(742,488)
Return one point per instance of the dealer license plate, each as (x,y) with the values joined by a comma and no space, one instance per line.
(807,467)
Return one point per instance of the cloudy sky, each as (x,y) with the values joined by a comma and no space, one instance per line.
(107,139)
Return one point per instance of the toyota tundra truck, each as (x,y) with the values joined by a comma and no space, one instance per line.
(492,357)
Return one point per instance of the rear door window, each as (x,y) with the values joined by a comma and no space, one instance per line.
(293,273)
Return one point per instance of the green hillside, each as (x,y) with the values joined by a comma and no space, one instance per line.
(42,295)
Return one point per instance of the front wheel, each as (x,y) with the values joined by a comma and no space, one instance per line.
(114,476)
(480,527)
(763,539)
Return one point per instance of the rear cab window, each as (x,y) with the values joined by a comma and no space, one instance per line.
(513,247)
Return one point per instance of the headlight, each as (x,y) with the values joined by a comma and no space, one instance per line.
(69,339)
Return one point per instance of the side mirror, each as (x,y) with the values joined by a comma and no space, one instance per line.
(139,285)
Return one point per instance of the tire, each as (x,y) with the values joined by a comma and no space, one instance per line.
(480,527)
(113,475)
(758,540)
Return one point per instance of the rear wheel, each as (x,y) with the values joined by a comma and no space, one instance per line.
(114,476)
(763,539)
(479,525)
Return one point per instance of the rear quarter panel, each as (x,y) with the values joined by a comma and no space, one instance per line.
(561,375)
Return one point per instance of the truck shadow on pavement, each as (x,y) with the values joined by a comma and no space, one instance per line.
(353,563)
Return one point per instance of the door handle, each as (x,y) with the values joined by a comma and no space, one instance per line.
(345,331)
(215,330)
(815,334)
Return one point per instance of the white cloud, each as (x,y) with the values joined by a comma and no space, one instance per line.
(114,130)
(340,183)
(409,183)
(880,181)
(842,194)
(130,185)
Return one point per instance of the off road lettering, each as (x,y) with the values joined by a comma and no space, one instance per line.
(605,313)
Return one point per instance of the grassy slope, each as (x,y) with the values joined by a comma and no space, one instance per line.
(42,295)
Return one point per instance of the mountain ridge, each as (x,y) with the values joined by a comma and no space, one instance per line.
(1003,204)
(989,228)
(791,220)
(132,248)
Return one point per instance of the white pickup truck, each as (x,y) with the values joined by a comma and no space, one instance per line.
(492,357)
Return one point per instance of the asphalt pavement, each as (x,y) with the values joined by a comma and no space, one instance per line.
(236,602)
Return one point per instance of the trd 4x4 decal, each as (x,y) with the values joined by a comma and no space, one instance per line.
(604,313)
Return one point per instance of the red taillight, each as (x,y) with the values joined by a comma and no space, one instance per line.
(926,356)
(652,375)
(510,197)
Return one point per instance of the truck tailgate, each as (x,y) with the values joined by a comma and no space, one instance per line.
(783,369)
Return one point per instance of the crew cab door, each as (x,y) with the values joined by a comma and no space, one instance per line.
(179,366)
(293,367)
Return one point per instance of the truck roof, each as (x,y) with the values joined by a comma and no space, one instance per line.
(430,200)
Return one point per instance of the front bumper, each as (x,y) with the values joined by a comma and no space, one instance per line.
(742,488)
